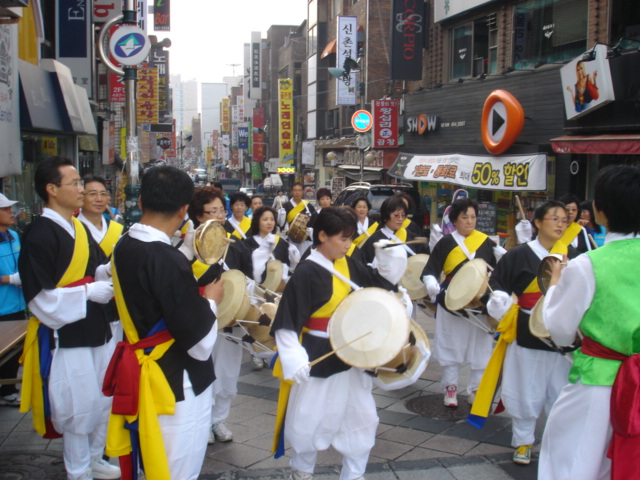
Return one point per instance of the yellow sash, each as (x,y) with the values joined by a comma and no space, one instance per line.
(340,292)
(296,210)
(370,231)
(156,398)
(244,225)
(508,332)
(457,256)
(111,238)
(199,268)
(32,395)
(570,233)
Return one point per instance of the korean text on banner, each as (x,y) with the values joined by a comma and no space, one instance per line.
(285,112)
(347,47)
(385,123)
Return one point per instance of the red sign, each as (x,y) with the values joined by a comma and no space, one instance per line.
(385,123)
(258,147)
(116,82)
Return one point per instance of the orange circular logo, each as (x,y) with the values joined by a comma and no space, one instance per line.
(502,121)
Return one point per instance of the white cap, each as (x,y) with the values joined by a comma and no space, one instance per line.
(5,202)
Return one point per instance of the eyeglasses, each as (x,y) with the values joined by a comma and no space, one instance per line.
(95,193)
(398,215)
(74,184)
(215,212)
(467,217)
(563,221)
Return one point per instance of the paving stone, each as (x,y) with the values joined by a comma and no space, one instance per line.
(444,443)
(389,450)
(405,435)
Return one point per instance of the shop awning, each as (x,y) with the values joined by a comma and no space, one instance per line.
(38,99)
(610,144)
(369,174)
(88,143)
(329,49)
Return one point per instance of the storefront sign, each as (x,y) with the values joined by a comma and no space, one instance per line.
(243,136)
(407,39)
(514,172)
(159,58)
(385,123)
(502,121)
(444,9)
(255,85)
(73,40)
(105,10)
(347,47)
(162,15)
(285,121)
(226,115)
(147,98)
(587,85)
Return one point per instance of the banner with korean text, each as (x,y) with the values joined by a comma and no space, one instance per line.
(285,121)
(507,172)
(385,123)
(147,101)
(347,47)
(226,115)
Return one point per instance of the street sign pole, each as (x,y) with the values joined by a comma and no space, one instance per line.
(130,46)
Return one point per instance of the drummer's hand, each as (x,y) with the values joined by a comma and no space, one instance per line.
(391,263)
(498,304)
(433,287)
(187,245)
(99,292)
(270,239)
(103,272)
(214,291)
(556,270)
(523,231)
(302,374)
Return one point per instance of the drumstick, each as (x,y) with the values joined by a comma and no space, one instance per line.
(319,359)
(410,242)
(520,208)
(592,240)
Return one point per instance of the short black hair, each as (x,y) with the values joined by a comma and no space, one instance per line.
(165,190)
(239,197)
(461,206)
(95,178)
(201,197)
(617,194)
(588,206)
(569,198)
(407,197)
(48,171)
(255,219)
(296,184)
(323,192)
(361,198)
(541,210)
(390,205)
(334,220)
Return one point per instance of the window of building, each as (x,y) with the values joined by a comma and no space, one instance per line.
(475,48)
(312,41)
(313,13)
(553,31)
(336,7)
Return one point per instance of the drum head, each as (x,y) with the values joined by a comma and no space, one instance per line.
(210,242)
(469,283)
(544,271)
(235,290)
(274,275)
(412,278)
(369,310)
(418,357)
(269,309)
(536,322)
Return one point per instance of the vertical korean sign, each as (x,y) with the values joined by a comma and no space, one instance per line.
(255,85)
(385,123)
(347,47)
(160,59)
(258,136)
(226,115)
(285,113)
(407,39)
(161,15)
(73,40)
(147,108)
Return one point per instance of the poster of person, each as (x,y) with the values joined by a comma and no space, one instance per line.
(586,83)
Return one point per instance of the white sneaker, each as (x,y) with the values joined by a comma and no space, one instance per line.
(221,432)
(12,400)
(472,397)
(257,363)
(212,438)
(450,396)
(101,469)
(298,475)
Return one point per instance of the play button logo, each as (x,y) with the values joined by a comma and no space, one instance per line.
(502,121)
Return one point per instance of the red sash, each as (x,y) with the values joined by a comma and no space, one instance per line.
(528,300)
(624,410)
(122,380)
(320,324)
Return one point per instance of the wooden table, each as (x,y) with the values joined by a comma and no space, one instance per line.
(12,333)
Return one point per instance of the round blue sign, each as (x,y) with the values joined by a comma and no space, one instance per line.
(129,45)
(361,121)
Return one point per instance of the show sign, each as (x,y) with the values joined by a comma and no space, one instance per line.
(509,172)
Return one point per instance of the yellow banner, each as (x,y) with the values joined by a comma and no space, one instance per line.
(49,145)
(285,111)
(226,115)
(148,104)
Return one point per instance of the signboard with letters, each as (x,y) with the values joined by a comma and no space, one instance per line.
(385,123)
(347,47)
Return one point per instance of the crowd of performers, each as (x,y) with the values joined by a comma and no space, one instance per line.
(125,353)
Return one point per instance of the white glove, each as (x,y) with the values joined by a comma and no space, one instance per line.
(406,299)
(302,374)
(523,231)
(391,263)
(310,234)
(433,287)
(282,217)
(99,292)
(499,303)
(103,273)
(434,236)
(187,247)
(14,279)
(294,257)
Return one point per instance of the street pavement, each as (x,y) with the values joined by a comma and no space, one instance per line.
(418,438)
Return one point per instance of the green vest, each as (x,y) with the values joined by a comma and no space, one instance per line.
(613,318)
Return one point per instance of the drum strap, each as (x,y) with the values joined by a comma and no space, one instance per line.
(111,237)
(241,227)
(458,255)
(296,210)
(335,273)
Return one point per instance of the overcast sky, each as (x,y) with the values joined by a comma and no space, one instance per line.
(208,35)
